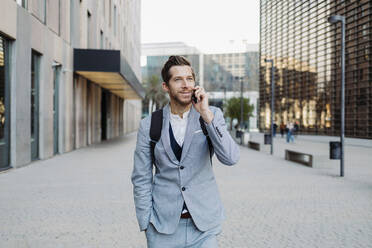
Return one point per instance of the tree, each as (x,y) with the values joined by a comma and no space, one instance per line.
(155,93)
(232,107)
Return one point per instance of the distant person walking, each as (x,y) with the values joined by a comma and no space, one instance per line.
(296,129)
(282,129)
(290,129)
(275,126)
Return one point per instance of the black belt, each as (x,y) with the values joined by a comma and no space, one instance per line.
(185,215)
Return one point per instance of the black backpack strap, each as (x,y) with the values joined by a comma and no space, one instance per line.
(155,130)
(210,145)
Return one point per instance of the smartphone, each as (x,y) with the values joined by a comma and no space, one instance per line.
(193,97)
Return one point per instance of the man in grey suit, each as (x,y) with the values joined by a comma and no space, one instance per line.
(179,205)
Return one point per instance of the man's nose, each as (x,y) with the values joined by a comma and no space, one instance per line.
(185,83)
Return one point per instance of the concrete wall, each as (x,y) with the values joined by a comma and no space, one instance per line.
(34,35)
(131,116)
(8,18)
(20,99)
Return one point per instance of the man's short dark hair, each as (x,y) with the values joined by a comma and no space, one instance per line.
(173,61)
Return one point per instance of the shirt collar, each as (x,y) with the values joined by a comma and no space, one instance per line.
(177,117)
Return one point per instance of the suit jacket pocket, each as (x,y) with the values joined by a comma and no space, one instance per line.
(206,200)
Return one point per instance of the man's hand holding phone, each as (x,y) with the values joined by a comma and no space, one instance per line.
(201,104)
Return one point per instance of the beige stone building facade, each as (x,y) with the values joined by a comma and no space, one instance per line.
(69,75)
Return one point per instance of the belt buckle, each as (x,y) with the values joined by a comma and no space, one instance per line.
(185,215)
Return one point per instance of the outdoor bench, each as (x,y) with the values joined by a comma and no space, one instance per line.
(254,145)
(311,160)
(299,157)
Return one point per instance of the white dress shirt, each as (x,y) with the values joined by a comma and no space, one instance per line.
(179,126)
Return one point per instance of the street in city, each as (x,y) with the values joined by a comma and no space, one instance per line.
(84,199)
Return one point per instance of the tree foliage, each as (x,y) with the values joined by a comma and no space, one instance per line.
(233,109)
(155,93)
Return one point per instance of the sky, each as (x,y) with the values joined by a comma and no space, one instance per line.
(205,24)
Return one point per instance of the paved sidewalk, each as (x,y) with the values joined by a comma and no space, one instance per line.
(84,199)
(358,152)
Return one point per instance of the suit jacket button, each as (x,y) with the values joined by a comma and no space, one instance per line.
(183,188)
(182,167)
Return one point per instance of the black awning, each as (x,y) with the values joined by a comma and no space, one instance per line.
(110,70)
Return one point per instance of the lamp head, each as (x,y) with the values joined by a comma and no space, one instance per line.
(56,64)
(336,18)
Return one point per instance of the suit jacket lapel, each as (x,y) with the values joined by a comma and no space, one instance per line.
(192,125)
(165,139)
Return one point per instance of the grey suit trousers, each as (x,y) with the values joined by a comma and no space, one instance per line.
(185,236)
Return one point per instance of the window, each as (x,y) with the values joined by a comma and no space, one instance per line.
(361,74)
(4,104)
(3,91)
(23,3)
(35,73)
(52,15)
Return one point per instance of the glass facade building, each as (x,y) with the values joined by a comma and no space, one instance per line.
(224,71)
(220,73)
(154,64)
(305,48)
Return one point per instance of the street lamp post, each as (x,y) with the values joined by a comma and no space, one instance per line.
(272,103)
(224,96)
(241,103)
(241,111)
(334,19)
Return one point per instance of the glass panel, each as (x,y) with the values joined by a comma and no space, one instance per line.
(32,95)
(24,4)
(35,70)
(2,89)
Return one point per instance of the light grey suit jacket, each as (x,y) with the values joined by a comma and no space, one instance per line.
(159,198)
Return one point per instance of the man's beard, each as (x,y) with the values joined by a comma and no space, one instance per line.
(175,97)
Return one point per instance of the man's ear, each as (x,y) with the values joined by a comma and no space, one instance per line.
(165,87)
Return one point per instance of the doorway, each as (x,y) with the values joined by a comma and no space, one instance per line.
(4,106)
(56,75)
(104,114)
(35,75)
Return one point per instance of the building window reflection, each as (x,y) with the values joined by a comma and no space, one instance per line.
(2,88)
(4,104)
(306,52)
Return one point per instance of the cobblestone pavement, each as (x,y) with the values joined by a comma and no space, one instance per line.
(84,199)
